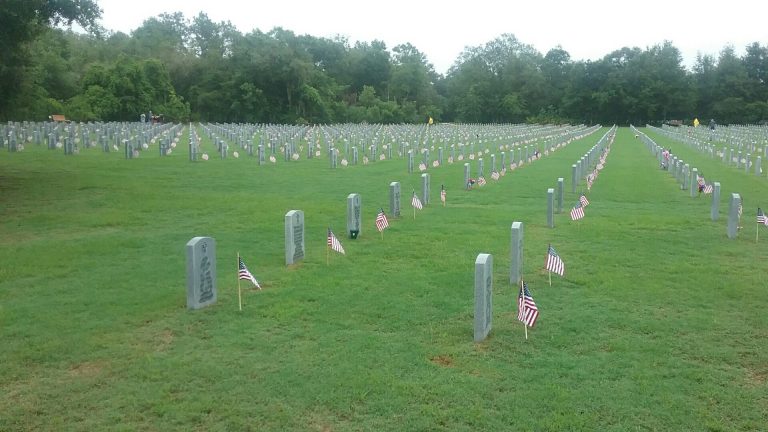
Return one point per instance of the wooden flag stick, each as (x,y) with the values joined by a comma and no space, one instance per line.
(239,291)
(757,233)
(327,254)
(549,272)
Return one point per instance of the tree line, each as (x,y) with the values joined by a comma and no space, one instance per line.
(199,70)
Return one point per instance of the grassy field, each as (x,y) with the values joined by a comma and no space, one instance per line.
(659,323)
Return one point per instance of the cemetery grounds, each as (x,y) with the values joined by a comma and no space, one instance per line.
(658,324)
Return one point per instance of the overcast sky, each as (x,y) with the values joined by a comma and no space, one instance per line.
(587,29)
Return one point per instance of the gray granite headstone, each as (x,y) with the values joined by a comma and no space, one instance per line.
(466,174)
(747,162)
(733,216)
(758,166)
(574,177)
(560,186)
(715,212)
(493,162)
(483,296)
(410,161)
(480,168)
(425,188)
(738,160)
(294,236)
(394,199)
(201,272)
(354,222)
(694,182)
(261,154)
(354,155)
(551,207)
(334,158)
(503,160)
(440,156)
(516,253)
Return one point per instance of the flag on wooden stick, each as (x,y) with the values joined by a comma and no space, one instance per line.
(334,242)
(527,312)
(381,221)
(244,274)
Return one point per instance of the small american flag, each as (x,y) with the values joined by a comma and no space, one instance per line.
(495,175)
(442,194)
(481,181)
(527,312)
(422,167)
(583,200)
(334,243)
(761,218)
(554,262)
(577,212)
(416,202)
(708,189)
(243,273)
(741,209)
(381,220)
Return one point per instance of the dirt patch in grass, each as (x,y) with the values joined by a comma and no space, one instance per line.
(86,369)
(755,378)
(442,360)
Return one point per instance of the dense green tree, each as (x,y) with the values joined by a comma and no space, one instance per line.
(21,23)
(198,69)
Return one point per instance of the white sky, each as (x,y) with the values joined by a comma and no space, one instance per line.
(587,29)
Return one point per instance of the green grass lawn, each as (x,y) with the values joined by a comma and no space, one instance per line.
(659,323)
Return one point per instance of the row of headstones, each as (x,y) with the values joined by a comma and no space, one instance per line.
(461,146)
(167,140)
(744,137)
(290,147)
(483,317)
(586,163)
(294,219)
(201,271)
(746,143)
(69,137)
(528,155)
(419,136)
(740,159)
(687,177)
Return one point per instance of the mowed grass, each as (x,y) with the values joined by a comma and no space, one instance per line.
(659,323)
